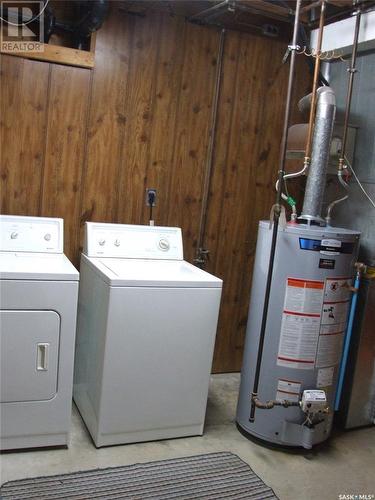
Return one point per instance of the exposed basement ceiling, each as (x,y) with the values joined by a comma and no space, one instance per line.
(263,17)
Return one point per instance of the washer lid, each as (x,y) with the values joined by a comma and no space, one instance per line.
(147,272)
(36,266)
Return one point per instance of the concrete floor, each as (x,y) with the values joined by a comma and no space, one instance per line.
(345,466)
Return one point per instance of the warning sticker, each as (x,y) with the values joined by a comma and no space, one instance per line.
(300,325)
(337,290)
(334,316)
(298,340)
(332,329)
(325,377)
(288,390)
(334,313)
(304,296)
(329,349)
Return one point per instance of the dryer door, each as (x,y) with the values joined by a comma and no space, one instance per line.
(29,355)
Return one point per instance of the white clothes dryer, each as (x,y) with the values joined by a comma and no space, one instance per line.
(38,306)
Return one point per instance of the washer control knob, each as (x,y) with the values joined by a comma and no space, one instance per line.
(117,243)
(163,245)
(14,235)
(47,237)
(101,242)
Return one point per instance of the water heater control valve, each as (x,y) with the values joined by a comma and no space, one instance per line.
(314,401)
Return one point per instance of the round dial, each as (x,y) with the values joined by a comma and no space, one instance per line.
(47,237)
(117,243)
(101,242)
(14,235)
(163,244)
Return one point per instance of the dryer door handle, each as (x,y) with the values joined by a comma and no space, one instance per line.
(42,351)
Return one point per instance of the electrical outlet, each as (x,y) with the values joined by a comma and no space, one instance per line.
(150,197)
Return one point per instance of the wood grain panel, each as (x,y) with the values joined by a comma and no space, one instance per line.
(238,195)
(64,158)
(265,163)
(107,119)
(23,105)
(160,165)
(223,137)
(192,130)
(139,113)
(242,190)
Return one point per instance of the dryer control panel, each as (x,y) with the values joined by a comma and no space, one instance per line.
(31,234)
(133,242)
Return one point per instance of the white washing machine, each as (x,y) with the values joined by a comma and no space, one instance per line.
(145,336)
(39,292)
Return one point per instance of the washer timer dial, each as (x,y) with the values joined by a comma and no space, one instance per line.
(163,245)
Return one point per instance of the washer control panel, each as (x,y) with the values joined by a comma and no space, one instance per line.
(31,234)
(133,242)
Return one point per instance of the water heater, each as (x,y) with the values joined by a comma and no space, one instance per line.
(306,323)
(298,333)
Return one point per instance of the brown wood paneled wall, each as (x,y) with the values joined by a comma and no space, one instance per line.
(246,161)
(84,145)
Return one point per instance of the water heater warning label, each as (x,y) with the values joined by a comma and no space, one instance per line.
(337,289)
(313,323)
(300,325)
(304,296)
(288,390)
(334,316)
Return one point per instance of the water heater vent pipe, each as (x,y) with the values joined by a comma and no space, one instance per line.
(323,128)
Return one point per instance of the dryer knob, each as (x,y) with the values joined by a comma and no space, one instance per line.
(117,243)
(101,243)
(14,235)
(47,237)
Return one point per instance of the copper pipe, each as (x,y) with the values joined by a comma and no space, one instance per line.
(315,85)
(351,70)
(268,405)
